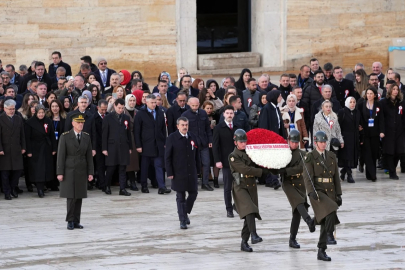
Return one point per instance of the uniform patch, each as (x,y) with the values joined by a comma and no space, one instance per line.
(232,159)
(308,158)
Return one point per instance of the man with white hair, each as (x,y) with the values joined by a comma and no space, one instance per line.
(12,147)
(104,72)
(377,69)
(114,81)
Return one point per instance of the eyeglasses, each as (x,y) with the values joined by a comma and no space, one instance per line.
(104,63)
(5,78)
(181,100)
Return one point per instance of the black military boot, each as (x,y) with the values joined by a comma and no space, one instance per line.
(331,239)
(244,246)
(311,224)
(293,243)
(322,255)
(183,224)
(216,185)
(254,238)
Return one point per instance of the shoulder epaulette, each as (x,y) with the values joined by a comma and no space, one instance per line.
(64,133)
(86,133)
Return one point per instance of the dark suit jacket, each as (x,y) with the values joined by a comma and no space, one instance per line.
(109,73)
(116,139)
(341,88)
(222,142)
(52,69)
(199,125)
(172,114)
(89,126)
(269,119)
(98,122)
(17,79)
(150,134)
(46,79)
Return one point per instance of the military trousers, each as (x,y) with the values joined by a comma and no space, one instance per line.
(74,209)
(249,226)
(327,226)
(300,211)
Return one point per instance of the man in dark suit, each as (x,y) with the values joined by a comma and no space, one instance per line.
(15,78)
(89,126)
(240,118)
(182,165)
(104,72)
(87,59)
(150,140)
(100,158)
(175,111)
(12,147)
(200,126)
(40,75)
(186,87)
(222,146)
(117,145)
(74,169)
(343,88)
(57,62)
(162,90)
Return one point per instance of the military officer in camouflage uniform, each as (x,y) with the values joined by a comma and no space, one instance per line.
(323,187)
(294,188)
(244,189)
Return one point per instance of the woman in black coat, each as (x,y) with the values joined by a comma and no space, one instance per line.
(41,146)
(394,140)
(373,128)
(245,75)
(349,122)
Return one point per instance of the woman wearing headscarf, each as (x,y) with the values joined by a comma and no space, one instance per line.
(349,121)
(373,128)
(41,146)
(255,110)
(394,140)
(242,83)
(125,79)
(293,118)
(138,96)
(130,102)
(327,121)
(270,116)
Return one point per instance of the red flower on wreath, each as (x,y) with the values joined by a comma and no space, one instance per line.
(264,136)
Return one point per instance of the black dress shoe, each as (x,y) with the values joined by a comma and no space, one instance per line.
(322,255)
(331,239)
(293,243)
(133,186)
(254,238)
(70,225)
(229,214)
(350,179)
(124,192)
(164,190)
(145,190)
(207,187)
(216,184)
(187,220)
(394,177)
(244,246)
(107,190)
(77,225)
(14,194)
(183,225)
(7,197)
(29,188)
(41,193)
(277,186)
(18,190)
(311,224)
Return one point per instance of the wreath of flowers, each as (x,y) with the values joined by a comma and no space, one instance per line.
(267,149)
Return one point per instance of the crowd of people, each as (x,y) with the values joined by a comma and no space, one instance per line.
(361,114)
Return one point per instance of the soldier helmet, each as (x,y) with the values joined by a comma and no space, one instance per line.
(320,136)
(240,136)
(294,136)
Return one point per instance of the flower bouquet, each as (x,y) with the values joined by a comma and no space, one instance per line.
(267,149)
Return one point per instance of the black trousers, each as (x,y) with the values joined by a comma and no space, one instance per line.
(185,205)
(26,171)
(122,176)
(249,226)
(100,168)
(74,209)
(391,162)
(300,211)
(9,180)
(370,152)
(327,226)
(228,179)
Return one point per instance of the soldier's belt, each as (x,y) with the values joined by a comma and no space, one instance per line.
(246,176)
(324,180)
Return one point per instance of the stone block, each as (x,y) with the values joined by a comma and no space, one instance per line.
(228,60)
(27,55)
(28,31)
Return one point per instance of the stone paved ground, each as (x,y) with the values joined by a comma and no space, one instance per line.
(142,232)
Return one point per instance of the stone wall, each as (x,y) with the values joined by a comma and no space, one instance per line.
(131,34)
(343,32)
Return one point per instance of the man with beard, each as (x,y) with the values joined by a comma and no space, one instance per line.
(285,87)
(343,88)
(250,95)
(374,81)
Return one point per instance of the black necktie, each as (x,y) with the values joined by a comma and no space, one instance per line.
(78,138)
(323,155)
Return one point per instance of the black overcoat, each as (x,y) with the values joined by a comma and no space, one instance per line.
(349,122)
(200,126)
(394,140)
(41,142)
(172,114)
(269,119)
(116,139)
(150,134)
(12,141)
(182,161)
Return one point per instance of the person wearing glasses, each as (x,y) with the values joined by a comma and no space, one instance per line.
(105,72)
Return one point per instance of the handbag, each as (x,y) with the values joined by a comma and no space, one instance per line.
(335,143)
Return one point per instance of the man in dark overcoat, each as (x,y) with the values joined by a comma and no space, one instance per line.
(175,111)
(117,145)
(244,189)
(182,165)
(74,168)
(322,183)
(150,140)
(99,157)
(12,147)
